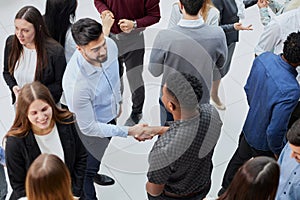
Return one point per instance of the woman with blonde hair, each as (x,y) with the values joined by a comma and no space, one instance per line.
(48,178)
(41,127)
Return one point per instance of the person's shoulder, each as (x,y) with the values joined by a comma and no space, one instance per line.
(53,46)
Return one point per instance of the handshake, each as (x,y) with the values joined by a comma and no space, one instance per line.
(142,132)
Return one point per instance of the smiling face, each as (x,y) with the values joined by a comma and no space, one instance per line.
(295,152)
(25,32)
(40,117)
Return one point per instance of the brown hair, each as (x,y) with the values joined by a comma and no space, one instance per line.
(48,178)
(29,93)
(33,16)
(257,179)
(207,5)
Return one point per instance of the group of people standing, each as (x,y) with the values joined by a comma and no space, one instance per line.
(66,83)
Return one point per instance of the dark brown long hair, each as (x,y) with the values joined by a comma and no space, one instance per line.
(257,179)
(29,93)
(48,178)
(33,16)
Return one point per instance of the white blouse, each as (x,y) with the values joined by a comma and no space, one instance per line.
(50,143)
(26,66)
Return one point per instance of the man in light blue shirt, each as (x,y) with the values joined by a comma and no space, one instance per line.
(92,89)
(289,161)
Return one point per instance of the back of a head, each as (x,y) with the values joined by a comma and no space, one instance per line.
(293,134)
(48,179)
(186,89)
(192,7)
(291,48)
(257,179)
(86,30)
(57,17)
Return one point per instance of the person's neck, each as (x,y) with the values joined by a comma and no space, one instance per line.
(190,17)
(292,64)
(38,131)
(185,114)
(29,46)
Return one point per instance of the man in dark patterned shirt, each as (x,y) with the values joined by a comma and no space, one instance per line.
(180,162)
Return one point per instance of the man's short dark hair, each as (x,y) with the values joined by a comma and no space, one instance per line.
(291,49)
(186,89)
(293,134)
(192,7)
(86,30)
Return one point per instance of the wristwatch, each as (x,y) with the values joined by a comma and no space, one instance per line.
(134,24)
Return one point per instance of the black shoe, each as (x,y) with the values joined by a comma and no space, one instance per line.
(102,179)
(133,119)
(221,191)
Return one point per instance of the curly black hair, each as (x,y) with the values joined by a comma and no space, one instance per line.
(291,49)
(185,88)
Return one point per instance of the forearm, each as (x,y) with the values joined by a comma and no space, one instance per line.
(100,5)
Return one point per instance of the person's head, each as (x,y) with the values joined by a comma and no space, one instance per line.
(293,137)
(90,40)
(36,110)
(31,32)
(191,7)
(57,17)
(48,178)
(291,49)
(181,92)
(257,179)
(29,26)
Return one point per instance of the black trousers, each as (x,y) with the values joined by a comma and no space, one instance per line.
(131,53)
(242,154)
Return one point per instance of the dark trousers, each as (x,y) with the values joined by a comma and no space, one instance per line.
(92,168)
(295,115)
(131,53)
(243,153)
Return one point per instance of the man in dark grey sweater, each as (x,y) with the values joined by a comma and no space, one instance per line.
(191,47)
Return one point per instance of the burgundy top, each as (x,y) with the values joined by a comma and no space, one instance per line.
(145,14)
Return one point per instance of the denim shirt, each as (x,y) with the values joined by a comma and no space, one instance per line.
(272,94)
(289,182)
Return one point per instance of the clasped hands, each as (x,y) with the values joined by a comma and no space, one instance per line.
(108,19)
(142,132)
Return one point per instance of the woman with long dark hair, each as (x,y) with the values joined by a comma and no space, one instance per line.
(32,55)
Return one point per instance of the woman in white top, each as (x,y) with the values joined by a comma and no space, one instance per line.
(41,127)
(32,55)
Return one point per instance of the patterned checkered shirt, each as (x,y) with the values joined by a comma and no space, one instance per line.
(182,157)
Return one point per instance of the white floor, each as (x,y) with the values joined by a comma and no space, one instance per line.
(126,159)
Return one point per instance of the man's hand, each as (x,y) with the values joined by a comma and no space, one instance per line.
(107,21)
(142,132)
(107,12)
(240,27)
(126,25)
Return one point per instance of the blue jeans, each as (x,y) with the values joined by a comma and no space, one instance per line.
(3,184)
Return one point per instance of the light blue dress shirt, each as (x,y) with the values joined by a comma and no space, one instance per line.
(289,183)
(93,93)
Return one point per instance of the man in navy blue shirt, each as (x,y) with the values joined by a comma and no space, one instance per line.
(272,94)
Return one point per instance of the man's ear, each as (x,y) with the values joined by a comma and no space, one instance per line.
(180,6)
(171,106)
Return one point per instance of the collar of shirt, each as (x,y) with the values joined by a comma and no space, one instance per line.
(87,67)
(190,23)
(287,66)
